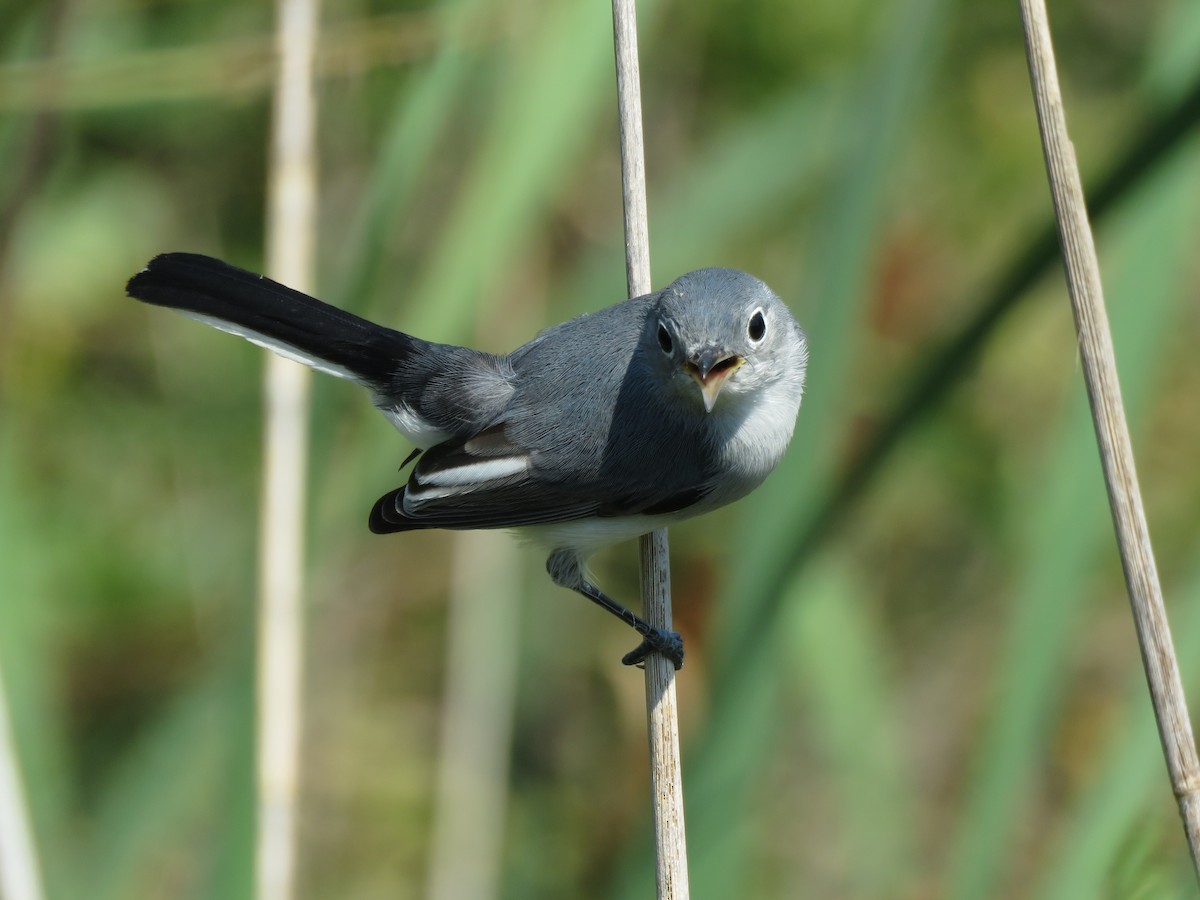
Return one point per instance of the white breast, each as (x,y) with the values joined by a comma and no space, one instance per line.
(754,440)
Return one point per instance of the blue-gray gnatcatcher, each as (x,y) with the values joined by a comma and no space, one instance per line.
(598,430)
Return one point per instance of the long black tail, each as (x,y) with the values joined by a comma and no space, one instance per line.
(274,316)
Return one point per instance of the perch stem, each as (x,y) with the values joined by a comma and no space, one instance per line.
(666,784)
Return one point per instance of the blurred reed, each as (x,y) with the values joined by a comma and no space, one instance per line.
(478,702)
(291,259)
(20,872)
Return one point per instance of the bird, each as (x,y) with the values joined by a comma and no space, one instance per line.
(598,430)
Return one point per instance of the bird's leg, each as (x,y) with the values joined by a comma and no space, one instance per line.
(566,570)
(654,640)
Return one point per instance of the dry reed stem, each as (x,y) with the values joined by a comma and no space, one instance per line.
(20,874)
(1112,432)
(666,783)
(291,229)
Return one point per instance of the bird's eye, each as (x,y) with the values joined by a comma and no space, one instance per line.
(664,338)
(757,329)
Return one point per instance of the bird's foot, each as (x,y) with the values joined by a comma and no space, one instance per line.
(668,644)
(565,568)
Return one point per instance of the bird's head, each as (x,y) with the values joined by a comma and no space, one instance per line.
(722,332)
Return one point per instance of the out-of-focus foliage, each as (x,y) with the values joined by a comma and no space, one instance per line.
(934,694)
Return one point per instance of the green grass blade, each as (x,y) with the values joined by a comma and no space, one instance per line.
(841,666)
(1131,778)
(736,183)
(537,129)
(1069,530)
(835,295)
(417,124)
(166,791)
(1175,61)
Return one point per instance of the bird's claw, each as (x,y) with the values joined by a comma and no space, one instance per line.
(668,644)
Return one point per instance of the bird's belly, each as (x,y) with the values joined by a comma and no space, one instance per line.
(586,536)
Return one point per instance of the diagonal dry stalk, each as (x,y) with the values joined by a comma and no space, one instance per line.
(291,231)
(666,784)
(1112,432)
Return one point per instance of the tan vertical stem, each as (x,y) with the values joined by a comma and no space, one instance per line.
(666,784)
(1112,432)
(291,230)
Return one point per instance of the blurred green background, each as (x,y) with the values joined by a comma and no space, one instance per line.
(911,666)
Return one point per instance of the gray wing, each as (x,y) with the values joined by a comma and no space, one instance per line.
(483,482)
(489,482)
(582,436)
